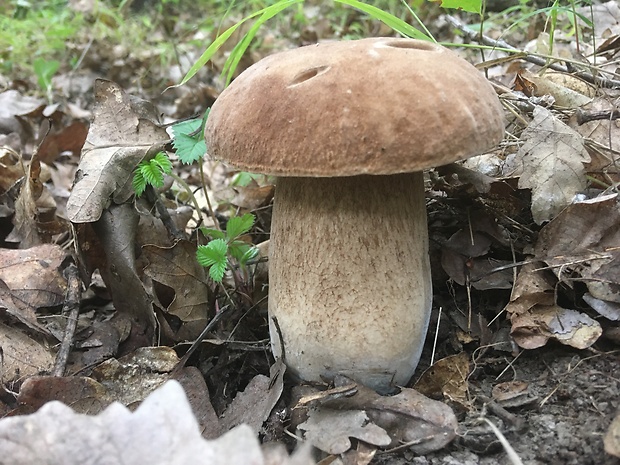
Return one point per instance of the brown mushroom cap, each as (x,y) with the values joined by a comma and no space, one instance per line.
(370,106)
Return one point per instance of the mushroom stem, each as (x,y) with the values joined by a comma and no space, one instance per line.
(350,282)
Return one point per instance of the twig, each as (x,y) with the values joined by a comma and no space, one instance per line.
(181,363)
(170,225)
(537,60)
(502,413)
(70,310)
(585,116)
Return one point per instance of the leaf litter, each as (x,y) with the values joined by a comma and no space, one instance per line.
(550,226)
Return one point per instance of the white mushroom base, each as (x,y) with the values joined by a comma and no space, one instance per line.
(350,282)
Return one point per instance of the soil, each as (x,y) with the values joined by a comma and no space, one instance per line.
(574,395)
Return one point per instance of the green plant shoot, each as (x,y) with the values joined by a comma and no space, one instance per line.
(188,139)
(225,245)
(151,172)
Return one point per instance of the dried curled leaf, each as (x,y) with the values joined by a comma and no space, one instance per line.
(553,158)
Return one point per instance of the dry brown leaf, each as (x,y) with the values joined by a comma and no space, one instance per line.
(332,430)
(35,221)
(584,239)
(567,91)
(116,261)
(410,419)
(532,287)
(447,376)
(22,356)
(177,268)
(602,136)
(570,327)
(123,133)
(509,390)
(553,157)
(69,138)
(465,255)
(134,376)
(11,170)
(31,279)
(255,403)
(84,394)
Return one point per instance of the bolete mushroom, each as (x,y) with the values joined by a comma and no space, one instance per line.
(348,128)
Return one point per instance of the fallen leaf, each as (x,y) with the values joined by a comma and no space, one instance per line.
(121,135)
(177,268)
(553,157)
(584,239)
(116,232)
(69,138)
(133,377)
(567,91)
(409,418)
(84,394)
(447,376)
(570,327)
(332,430)
(533,286)
(22,356)
(31,279)
(255,403)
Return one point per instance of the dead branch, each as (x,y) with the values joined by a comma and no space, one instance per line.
(475,36)
(585,116)
(70,310)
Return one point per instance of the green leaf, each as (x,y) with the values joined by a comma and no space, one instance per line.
(472,6)
(217,271)
(189,149)
(222,38)
(237,249)
(151,173)
(45,70)
(191,128)
(239,225)
(163,162)
(188,140)
(248,255)
(239,50)
(214,255)
(138,182)
(388,19)
(243,178)
(214,233)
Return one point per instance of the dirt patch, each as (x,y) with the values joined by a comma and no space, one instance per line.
(575,396)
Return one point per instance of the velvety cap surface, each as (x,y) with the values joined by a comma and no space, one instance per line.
(370,106)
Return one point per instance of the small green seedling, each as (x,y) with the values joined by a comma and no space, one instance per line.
(151,172)
(189,143)
(188,139)
(225,245)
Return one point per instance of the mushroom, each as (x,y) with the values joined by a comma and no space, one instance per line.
(348,128)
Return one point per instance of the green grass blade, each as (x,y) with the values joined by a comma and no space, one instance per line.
(224,36)
(237,53)
(400,26)
(471,6)
(211,50)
